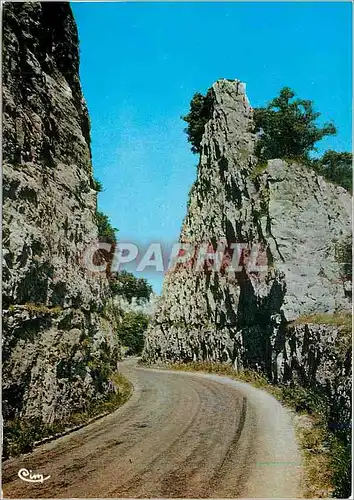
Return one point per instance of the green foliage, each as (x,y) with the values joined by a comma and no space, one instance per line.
(127,285)
(302,399)
(106,232)
(20,434)
(342,467)
(132,331)
(199,114)
(287,127)
(132,327)
(337,168)
(97,185)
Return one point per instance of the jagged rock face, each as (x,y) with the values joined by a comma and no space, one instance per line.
(53,350)
(309,219)
(319,356)
(294,216)
(49,203)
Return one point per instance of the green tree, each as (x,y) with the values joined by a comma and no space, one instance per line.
(97,185)
(287,127)
(337,168)
(199,114)
(106,232)
(132,331)
(127,285)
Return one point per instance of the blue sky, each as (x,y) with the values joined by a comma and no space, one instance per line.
(142,62)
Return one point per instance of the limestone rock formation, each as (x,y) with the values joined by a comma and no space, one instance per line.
(58,346)
(319,357)
(296,219)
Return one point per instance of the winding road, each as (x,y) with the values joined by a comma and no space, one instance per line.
(180,435)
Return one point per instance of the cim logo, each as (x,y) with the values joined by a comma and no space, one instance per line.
(30,477)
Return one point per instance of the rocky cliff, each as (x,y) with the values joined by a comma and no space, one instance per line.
(59,347)
(295,218)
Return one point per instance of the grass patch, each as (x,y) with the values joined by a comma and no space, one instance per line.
(317,460)
(256,379)
(326,459)
(20,434)
(341,460)
(36,308)
(258,170)
(341,319)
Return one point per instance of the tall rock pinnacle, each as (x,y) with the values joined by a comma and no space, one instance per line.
(292,216)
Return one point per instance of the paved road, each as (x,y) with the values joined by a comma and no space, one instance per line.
(180,435)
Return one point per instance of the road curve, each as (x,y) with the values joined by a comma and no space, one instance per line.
(180,435)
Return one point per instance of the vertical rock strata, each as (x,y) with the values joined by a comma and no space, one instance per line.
(58,347)
(295,217)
